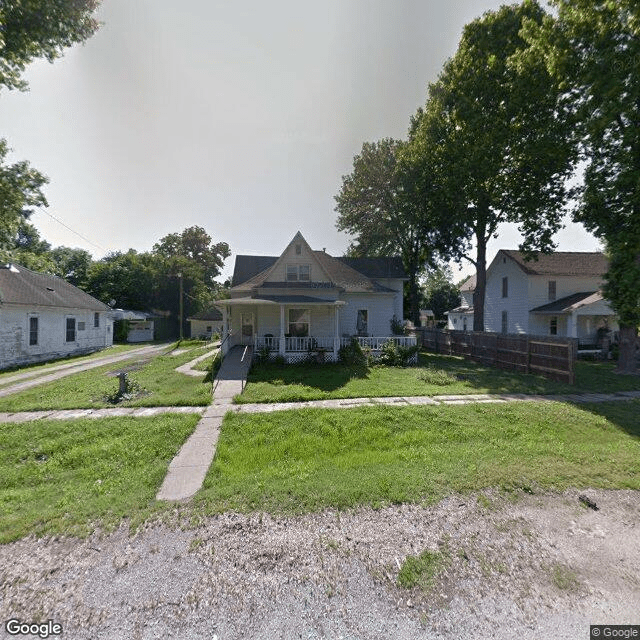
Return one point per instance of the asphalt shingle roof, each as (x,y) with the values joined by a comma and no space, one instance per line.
(351,274)
(209,314)
(19,285)
(569,303)
(562,263)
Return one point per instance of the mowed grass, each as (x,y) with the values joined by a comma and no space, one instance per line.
(159,383)
(435,375)
(33,369)
(309,459)
(68,477)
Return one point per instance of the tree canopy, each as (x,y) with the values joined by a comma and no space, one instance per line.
(592,48)
(489,132)
(391,209)
(31,29)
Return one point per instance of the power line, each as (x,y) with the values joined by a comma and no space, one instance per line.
(66,226)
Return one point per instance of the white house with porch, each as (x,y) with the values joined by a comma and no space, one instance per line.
(308,301)
(555,294)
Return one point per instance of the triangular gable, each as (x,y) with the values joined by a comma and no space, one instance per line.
(278,272)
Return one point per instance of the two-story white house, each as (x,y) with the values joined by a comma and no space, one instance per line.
(43,317)
(306,299)
(557,294)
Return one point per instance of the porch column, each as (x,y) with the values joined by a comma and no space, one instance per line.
(281,349)
(572,325)
(225,330)
(336,340)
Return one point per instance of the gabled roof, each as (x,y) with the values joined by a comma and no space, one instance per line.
(561,263)
(389,267)
(212,314)
(19,285)
(570,303)
(468,284)
(247,267)
(350,274)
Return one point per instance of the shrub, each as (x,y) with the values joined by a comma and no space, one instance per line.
(352,354)
(398,328)
(395,355)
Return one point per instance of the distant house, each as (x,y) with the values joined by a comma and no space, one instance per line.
(461,318)
(140,326)
(305,299)
(206,323)
(43,317)
(557,294)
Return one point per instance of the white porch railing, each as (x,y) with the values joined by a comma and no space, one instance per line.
(311,343)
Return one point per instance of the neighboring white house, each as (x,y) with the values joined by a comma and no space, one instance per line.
(461,318)
(557,294)
(141,326)
(305,299)
(43,317)
(206,323)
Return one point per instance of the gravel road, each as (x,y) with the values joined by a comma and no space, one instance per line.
(539,567)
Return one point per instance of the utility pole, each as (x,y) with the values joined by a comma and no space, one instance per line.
(181,304)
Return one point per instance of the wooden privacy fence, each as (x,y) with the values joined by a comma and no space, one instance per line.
(549,356)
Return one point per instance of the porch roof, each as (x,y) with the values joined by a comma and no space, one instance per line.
(569,303)
(278,300)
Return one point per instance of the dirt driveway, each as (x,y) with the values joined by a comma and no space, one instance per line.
(537,567)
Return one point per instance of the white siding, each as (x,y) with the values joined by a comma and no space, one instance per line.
(515,304)
(199,327)
(538,290)
(380,307)
(14,333)
(398,299)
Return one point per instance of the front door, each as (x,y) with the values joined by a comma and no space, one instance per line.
(246,333)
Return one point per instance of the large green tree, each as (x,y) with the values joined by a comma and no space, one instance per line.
(392,208)
(32,29)
(439,293)
(490,133)
(592,47)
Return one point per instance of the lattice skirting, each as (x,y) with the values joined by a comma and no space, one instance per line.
(304,356)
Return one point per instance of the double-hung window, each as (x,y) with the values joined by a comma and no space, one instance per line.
(33,331)
(505,287)
(96,320)
(298,272)
(71,330)
(299,323)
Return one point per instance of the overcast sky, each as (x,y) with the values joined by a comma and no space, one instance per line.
(238,117)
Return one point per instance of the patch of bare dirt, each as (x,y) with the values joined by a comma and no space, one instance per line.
(525,566)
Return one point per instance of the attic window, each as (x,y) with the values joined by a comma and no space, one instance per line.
(297,272)
(298,250)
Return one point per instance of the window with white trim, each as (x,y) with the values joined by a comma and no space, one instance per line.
(362,322)
(552,289)
(553,326)
(298,272)
(96,320)
(505,287)
(299,322)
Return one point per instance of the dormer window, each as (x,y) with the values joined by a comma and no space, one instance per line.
(298,272)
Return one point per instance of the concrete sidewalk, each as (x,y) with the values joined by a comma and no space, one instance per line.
(75,414)
(70,368)
(188,469)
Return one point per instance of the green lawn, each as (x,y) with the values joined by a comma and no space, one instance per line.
(44,368)
(71,476)
(161,385)
(313,458)
(435,375)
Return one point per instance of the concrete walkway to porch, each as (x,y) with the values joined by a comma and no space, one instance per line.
(189,468)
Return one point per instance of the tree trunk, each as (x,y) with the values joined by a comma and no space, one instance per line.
(627,362)
(481,283)
(414,301)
